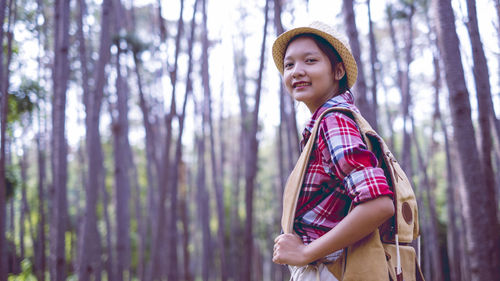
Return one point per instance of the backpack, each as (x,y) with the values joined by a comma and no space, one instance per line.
(385,254)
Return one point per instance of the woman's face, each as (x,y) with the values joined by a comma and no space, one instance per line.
(308,73)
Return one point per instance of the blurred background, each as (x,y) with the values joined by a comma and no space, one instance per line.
(151,140)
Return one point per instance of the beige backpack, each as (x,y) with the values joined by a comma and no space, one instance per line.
(385,254)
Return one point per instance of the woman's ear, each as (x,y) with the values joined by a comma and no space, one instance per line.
(339,71)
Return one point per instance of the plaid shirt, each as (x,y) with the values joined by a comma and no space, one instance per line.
(341,170)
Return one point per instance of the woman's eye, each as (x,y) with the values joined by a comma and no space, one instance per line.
(311,60)
(288,65)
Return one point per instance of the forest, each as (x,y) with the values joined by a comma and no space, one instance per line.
(151,140)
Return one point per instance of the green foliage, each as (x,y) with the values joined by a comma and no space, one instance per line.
(130,42)
(26,272)
(401,9)
(11,181)
(23,100)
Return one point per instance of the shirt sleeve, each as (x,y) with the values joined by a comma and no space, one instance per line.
(348,159)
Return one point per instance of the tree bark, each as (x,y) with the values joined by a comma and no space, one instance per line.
(159,232)
(373,63)
(396,51)
(122,178)
(452,233)
(458,193)
(205,115)
(184,217)
(360,86)
(173,274)
(240,152)
(252,159)
(406,100)
(3,129)
(216,170)
(142,222)
(40,246)
(203,208)
(153,167)
(109,262)
(495,119)
(478,216)
(121,158)
(59,147)
(173,262)
(90,242)
(486,124)
(453,246)
(25,210)
(431,237)
(288,122)
(40,258)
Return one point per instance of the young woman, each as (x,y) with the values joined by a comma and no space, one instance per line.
(319,70)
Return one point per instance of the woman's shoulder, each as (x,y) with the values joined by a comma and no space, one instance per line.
(343,114)
(340,123)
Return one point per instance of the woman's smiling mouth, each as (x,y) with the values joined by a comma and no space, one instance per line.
(300,84)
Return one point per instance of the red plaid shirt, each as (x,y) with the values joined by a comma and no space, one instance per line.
(341,170)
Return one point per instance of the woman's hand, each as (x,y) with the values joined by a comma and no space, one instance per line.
(289,249)
(363,219)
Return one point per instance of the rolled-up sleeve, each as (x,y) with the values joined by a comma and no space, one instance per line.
(347,158)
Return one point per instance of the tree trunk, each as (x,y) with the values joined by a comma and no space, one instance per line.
(122,177)
(453,246)
(485,107)
(14,266)
(216,170)
(278,272)
(495,119)
(173,274)
(406,95)
(59,148)
(109,262)
(480,220)
(240,154)
(288,122)
(25,210)
(40,252)
(452,233)
(252,159)
(403,79)
(141,220)
(396,51)
(90,242)
(40,258)
(153,167)
(184,217)
(159,232)
(3,129)
(205,117)
(121,160)
(432,237)
(458,192)
(360,86)
(373,63)
(202,198)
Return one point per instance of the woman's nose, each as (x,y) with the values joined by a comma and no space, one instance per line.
(298,70)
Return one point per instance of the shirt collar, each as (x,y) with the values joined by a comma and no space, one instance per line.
(343,100)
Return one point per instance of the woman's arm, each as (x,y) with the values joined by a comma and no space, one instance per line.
(361,221)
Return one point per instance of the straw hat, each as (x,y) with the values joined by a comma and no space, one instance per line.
(329,34)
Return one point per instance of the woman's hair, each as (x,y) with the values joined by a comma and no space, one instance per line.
(330,52)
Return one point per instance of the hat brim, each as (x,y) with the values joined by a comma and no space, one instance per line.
(281,43)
